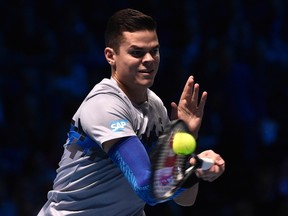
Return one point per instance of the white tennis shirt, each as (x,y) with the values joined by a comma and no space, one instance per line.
(90,184)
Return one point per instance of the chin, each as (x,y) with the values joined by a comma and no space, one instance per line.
(148,83)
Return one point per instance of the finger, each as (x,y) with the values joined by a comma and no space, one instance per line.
(209,177)
(219,161)
(203,102)
(192,161)
(188,89)
(218,170)
(212,174)
(195,95)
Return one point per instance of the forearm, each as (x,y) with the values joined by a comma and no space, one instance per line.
(131,157)
(187,197)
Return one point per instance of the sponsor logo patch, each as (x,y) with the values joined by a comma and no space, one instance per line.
(118,125)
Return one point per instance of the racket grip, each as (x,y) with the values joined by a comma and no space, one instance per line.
(207,163)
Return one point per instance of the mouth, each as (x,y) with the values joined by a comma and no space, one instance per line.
(146,71)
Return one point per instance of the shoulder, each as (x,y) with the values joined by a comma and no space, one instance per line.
(157,106)
(154,99)
(106,86)
(107,91)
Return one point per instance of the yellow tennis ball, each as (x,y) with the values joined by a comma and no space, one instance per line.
(184,143)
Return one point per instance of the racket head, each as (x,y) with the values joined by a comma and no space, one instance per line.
(168,168)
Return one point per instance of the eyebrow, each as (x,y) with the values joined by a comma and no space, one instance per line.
(137,47)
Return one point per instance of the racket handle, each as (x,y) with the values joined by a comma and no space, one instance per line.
(207,163)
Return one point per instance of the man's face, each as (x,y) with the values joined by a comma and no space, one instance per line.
(137,61)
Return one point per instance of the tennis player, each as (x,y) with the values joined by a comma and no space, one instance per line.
(105,168)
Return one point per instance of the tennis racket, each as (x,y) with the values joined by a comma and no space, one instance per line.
(171,170)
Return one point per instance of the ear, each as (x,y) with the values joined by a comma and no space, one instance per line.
(109,55)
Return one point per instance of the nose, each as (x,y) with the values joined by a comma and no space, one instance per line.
(148,57)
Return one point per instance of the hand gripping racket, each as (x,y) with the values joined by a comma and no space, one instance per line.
(171,170)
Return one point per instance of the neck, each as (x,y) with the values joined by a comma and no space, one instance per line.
(135,95)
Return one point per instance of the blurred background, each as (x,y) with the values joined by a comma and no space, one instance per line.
(51,55)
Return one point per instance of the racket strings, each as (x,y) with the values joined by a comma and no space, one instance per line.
(164,169)
(170,169)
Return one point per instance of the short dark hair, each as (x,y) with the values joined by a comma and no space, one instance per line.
(128,20)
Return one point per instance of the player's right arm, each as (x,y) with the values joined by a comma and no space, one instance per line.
(188,197)
(130,156)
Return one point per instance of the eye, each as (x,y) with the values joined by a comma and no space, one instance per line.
(154,52)
(137,53)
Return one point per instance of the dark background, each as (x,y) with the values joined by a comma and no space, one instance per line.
(51,55)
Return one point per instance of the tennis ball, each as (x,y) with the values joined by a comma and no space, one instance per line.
(184,143)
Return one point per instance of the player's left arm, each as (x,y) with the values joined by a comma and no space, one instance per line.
(189,109)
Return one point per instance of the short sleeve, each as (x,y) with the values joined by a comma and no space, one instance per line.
(107,116)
